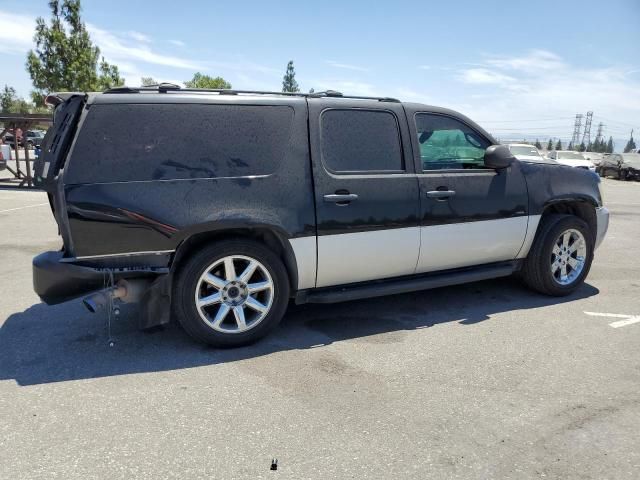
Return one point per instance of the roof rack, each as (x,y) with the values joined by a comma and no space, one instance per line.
(171,87)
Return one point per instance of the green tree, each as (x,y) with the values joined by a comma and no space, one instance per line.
(550,145)
(610,145)
(147,81)
(11,103)
(8,98)
(570,146)
(582,147)
(64,57)
(289,83)
(597,146)
(559,145)
(200,80)
(631,144)
(538,144)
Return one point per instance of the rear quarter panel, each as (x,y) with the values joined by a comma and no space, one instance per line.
(158,214)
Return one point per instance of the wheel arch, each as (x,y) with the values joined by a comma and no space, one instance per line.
(269,236)
(581,207)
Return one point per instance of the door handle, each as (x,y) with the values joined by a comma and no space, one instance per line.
(340,198)
(441,194)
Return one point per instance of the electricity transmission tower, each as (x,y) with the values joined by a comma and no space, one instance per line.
(599,136)
(575,139)
(586,138)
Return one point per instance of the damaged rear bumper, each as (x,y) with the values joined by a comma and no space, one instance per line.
(56,280)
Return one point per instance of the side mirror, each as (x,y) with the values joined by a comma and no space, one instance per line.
(498,156)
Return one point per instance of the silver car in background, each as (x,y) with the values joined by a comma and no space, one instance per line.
(526,153)
(572,159)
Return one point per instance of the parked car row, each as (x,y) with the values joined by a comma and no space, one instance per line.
(624,166)
(529,153)
(32,138)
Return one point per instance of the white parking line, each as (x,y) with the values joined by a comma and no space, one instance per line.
(20,208)
(624,323)
(628,319)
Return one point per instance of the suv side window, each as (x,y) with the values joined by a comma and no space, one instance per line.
(357,140)
(447,143)
(129,142)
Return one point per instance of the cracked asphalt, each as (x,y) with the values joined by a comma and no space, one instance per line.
(478,381)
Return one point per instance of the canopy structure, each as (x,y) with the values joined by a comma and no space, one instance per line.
(24,122)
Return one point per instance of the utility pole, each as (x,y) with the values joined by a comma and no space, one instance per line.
(586,138)
(577,126)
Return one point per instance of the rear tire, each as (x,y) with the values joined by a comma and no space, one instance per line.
(550,258)
(227,310)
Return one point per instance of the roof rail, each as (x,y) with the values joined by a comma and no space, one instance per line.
(170,87)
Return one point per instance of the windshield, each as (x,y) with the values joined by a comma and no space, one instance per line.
(632,159)
(570,156)
(522,150)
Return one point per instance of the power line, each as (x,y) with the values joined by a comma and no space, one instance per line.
(525,120)
(523,129)
(619,122)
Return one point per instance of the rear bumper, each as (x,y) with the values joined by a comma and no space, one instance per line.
(56,281)
(602,217)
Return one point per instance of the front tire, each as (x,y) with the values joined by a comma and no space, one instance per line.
(231,293)
(560,257)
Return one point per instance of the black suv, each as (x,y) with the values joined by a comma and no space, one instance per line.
(217,207)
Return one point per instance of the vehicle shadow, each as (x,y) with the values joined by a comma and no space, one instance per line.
(64,342)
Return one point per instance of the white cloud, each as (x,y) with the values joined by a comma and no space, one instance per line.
(177,43)
(541,84)
(16,33)
(119,49)
(485,76)
(346,66)
(140,37)
(534,61)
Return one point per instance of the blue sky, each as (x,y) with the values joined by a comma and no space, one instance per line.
(518,67)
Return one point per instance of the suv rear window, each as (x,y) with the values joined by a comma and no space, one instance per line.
(132,142)
(360,140)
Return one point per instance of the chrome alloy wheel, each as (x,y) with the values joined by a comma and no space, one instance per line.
(568,257)
(230,302)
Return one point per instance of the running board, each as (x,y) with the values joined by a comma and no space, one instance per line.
(405,284)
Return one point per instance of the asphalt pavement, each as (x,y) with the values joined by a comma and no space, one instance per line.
(479,381)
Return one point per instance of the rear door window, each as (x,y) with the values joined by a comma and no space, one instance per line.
(134,142)
(356,140)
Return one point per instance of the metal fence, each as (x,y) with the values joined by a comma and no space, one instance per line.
(20,173)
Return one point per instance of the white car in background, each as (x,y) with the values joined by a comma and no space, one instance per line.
(525,152)
(572,159)
(595,157)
